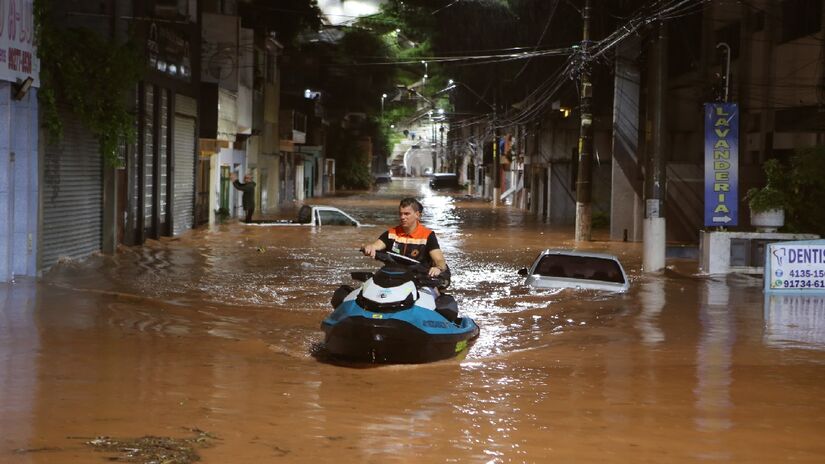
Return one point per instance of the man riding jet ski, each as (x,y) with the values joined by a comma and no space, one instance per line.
(398,315)
(411,239)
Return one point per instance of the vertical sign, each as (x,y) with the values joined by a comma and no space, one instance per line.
(721,164)
(18,51)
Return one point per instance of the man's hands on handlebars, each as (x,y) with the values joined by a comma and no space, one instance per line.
(368,250)
(434,272)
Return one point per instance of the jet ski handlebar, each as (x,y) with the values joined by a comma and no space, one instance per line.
(420,270)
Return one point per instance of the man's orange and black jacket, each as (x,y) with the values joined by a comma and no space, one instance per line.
(416,245)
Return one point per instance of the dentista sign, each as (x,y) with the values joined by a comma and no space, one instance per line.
(795,266)
(18,52)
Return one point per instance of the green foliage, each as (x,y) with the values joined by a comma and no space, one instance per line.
(805,191)
(772,195)
(600,220)
(92,77)
(352,161)
(222,214)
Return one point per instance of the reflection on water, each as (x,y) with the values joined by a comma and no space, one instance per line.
(215,330)
(795,321)
(18,366)
(714,363)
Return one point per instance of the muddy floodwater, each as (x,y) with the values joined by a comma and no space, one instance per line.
(218,331)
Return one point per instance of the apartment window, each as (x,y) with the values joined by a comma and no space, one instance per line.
(800,18)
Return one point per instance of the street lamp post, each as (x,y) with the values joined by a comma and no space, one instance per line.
(727,66)
(451,84)
(383,97)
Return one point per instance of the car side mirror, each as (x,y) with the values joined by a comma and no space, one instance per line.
(523,271)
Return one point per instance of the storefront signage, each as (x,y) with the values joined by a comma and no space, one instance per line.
(18,53)
(721,164)
(168,52)
(792,267)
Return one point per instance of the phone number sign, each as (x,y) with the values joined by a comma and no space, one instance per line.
(795,266)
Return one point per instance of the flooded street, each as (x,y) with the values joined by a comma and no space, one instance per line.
(218,332)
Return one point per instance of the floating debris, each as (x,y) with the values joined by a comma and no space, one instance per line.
(154,450)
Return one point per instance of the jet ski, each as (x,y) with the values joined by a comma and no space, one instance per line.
(396,316)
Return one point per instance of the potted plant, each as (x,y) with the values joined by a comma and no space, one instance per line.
(767,204)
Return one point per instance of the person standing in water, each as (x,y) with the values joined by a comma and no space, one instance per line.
(248,189)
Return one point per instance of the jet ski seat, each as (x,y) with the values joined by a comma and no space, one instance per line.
(447,307)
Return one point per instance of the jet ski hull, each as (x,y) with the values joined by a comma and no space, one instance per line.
(414,335)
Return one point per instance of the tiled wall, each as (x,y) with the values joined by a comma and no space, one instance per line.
(18,184)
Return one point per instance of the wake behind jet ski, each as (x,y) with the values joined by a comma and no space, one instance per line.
(396,316)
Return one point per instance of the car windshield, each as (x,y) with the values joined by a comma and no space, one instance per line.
(334,218)
(580,267)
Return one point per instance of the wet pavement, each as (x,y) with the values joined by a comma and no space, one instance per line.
(217,332)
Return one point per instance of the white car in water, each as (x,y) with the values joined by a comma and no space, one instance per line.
(576,269)
(312,216)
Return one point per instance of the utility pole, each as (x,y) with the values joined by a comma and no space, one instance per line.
(653,253)
(496,152)
(584,179)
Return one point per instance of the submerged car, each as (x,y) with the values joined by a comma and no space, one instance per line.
(444,180)
(576,269)
(311,216)
(382,178)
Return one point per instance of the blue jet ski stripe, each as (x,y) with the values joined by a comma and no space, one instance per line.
(423,319)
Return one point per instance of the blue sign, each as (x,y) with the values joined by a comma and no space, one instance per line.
(721,164)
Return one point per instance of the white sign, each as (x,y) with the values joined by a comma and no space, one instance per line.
(18,51)
(795,266)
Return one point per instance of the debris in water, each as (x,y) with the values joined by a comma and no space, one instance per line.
(152,449)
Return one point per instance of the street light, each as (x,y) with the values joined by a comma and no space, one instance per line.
(383,97)
(451,84)
(727,66)
(425,71)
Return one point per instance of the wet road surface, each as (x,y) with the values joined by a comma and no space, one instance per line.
(216,331)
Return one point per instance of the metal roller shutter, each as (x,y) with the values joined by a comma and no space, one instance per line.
(186,106)
(148,158)
(72,195)
(164,140)
(184,173)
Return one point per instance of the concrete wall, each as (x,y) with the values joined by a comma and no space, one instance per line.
(19,183)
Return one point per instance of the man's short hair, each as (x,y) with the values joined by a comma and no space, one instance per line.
(412,203)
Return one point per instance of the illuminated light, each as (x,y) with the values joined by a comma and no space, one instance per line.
(173,69)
